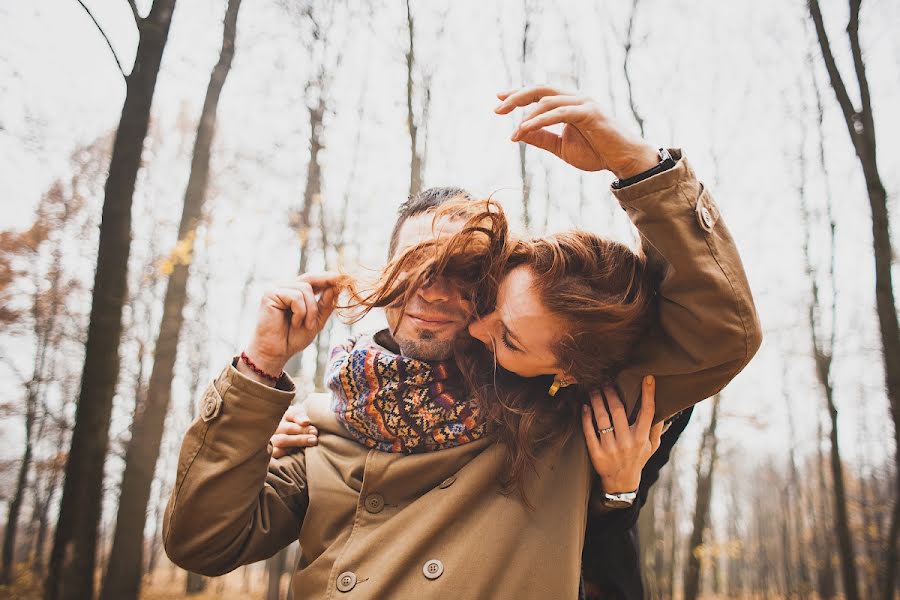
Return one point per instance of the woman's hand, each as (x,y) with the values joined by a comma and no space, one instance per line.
(618,450)
(590,140)
(294,431)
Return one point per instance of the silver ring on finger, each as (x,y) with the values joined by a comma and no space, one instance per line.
(609,429)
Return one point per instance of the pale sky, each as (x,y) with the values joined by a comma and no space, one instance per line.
(727,82)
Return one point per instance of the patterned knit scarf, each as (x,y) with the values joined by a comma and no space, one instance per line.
(397,404)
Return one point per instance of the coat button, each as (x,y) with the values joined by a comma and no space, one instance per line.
(346,581)
(707,217)
(211,406)
(433,569)
(374,503)
(447,482)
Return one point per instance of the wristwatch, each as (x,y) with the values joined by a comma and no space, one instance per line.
(666,162)
(623,500)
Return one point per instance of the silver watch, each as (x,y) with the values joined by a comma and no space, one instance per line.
(623,500)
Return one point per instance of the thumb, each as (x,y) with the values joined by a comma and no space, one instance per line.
(326,304)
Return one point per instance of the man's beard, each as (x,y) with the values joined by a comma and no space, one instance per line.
(426,347)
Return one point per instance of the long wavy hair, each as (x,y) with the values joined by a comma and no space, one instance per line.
(602,290)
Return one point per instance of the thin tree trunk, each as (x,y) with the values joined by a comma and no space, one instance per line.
(523,157)
(861,128)
(123,574)
(15,505)
(195,584)
(415,161)
(275,567)
(708,447)
(72,560)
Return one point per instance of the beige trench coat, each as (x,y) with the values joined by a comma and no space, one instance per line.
(380,526)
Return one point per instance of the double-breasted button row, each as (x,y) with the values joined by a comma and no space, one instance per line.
(211,405)
(346,581)
(374,503)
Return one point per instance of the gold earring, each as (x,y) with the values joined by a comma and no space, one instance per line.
(557,383)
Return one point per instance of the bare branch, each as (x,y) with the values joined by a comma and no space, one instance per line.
(837,82)
(860,67)
(135,13)
(108,43)
(628,45)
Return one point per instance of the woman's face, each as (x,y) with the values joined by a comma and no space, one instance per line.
(521,331)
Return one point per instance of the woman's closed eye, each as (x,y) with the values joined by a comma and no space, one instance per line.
(504,337)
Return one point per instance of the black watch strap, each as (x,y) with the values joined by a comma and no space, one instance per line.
(666,162)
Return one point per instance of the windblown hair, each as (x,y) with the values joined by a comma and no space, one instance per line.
(601,290)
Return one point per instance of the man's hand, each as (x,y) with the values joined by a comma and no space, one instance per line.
(293,432)
(589,141)
(618,450)
(290,317)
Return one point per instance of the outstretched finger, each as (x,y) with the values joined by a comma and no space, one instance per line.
(616,410)
(548,103)
(590,435)
(526,96)
(648,406)
(543,139)
(563,114)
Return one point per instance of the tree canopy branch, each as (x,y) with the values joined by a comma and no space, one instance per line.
(834,74)
(860,66)
(135,13)
(108,43)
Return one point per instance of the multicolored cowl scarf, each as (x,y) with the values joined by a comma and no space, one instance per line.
(393,403)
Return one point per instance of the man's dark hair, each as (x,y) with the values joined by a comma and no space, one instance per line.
(423,202)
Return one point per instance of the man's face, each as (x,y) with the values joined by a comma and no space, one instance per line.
(436,313)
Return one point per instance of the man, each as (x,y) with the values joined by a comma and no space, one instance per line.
(392,525)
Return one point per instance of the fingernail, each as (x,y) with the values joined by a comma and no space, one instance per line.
(313,430)
(585,409)
(648,380)
(312,439)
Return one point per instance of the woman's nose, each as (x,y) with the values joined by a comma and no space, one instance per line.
(478,330)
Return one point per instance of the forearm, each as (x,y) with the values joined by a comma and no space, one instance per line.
(231,505)
(707,328)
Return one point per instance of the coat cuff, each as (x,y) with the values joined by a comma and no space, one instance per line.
(636,192)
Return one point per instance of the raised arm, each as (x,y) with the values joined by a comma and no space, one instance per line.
(232,503)
(707,328)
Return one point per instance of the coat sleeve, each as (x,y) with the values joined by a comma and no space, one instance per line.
(233,504)
(707,328)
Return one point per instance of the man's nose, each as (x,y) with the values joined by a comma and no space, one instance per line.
(438,290)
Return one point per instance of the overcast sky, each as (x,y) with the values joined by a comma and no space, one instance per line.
(728,82)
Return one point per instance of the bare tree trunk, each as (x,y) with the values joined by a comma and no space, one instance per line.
(275,566)
(72,561)
(15,505)
(523,158)
(708,448)
(123,574)
(629,40)
(415,161)
(861,128)
(647,540)
(195,584)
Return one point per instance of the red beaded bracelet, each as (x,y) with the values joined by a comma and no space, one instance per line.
(273,378)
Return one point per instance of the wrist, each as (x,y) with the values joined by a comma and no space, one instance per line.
(273,365)
(620,485)
(637,160)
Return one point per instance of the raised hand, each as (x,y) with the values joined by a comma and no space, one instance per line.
(294,432)
(618,450)
(290,317)
(589,141)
